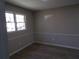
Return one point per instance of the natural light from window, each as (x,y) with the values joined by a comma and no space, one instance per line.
(15,22)
(20,22)
(10,22)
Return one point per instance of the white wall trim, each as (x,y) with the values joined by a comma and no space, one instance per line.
(57,33)
(60,45)
(12,53)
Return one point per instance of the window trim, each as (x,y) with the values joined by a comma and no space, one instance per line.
(7,22)
(16,22)
(23,22)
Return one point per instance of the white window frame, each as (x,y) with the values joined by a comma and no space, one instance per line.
(16,22)
(10,22)
(20,22)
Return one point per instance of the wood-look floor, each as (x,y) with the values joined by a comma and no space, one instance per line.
(39,51)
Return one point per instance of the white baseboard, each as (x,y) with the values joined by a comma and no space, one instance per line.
(57,34)
(46,43)
(12,53)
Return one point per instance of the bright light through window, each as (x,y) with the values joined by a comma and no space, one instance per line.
(10,22)
(15,22)
(20,19)
(20,26)
(10,27)
(9,17)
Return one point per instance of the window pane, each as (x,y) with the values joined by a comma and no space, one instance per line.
(9,17)
(10,27)
(19,18)
(21,26)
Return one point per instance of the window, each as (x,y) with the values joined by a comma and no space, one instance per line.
(10,22)
(20,22)
(15,22)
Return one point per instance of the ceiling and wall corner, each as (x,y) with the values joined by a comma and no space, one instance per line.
(42,4)
(58,27)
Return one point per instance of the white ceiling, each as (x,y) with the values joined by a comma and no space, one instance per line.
(42,4)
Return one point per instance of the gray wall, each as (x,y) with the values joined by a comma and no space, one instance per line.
(59,26)
(3,33)
(19,39)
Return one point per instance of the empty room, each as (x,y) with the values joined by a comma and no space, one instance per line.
(39,29)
